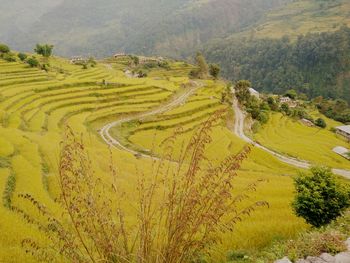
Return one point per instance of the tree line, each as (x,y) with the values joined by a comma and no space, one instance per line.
(315,64)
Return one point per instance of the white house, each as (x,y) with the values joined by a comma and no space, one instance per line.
(291,103)
(120,55)
(285,100)
(344,130)
(254,93)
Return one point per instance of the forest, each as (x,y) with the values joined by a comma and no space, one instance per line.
(315,64)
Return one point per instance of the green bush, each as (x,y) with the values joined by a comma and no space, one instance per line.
(4,48)
(9,57)
(32,62)
(22,56)
(321,123)
(320,198)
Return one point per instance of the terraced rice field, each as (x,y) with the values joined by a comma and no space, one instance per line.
(35,107)
(291,137)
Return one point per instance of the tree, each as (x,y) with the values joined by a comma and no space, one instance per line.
(321,123)
(242,91)
(272,103)
(22,56)
(214,70)
(202,66)
(319,198)
(4,49)
(285,108)
(291,94)
(32,62)
(44,50)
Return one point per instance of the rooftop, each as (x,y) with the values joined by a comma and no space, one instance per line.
(344,128)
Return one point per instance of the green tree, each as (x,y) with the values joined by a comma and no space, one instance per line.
(32,62)
(242,91)
(320,198)
(214,70)
(291,94)
(44,50)
(321,123)
(272,103)
(22,56)
(285,108)
(202,66)
(4,49)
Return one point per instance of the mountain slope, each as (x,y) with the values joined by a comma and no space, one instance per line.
(169,27)
(315,64)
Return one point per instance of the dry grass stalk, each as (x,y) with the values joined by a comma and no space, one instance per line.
(182,209)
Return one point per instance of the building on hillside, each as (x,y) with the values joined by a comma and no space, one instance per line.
(291,103)
(254,93)
(344,131)
(307,122)
(285,100)
(145,60)
(77,60)
(120,55)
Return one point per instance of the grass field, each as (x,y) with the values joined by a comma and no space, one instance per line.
(291,137)
(35,106)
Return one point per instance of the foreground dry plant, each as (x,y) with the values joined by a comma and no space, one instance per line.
(181,210)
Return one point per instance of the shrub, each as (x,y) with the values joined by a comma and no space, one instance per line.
(214,70)
(4,48)
(321,123)
(32,62)
(263,117)
(22,56)
(181,209)
(285,108)
(9,57)
(45,67)
(320,198)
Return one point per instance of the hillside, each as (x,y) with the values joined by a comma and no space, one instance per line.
(174,28)
(33,116)
(304,46)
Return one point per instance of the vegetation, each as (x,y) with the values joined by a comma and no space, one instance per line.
(22,56)
(329,239)
(202,70)
(338,110)
(321,123)
(188,206)
(33,117)
(44,50)
(4,49)
(214,70)
(32,62)
(320,199)
(311,143)
(281,64)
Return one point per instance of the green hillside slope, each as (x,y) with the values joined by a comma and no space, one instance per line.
(35,105)
(275,58)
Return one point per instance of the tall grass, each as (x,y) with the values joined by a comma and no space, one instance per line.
(182,208)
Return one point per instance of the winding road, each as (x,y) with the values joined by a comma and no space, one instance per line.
(113,142)
(239,131)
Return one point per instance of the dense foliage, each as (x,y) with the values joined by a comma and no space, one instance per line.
(320,198)
(314,64)
(336,109)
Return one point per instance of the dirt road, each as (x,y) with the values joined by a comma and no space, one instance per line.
(239,131)
(114,142)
